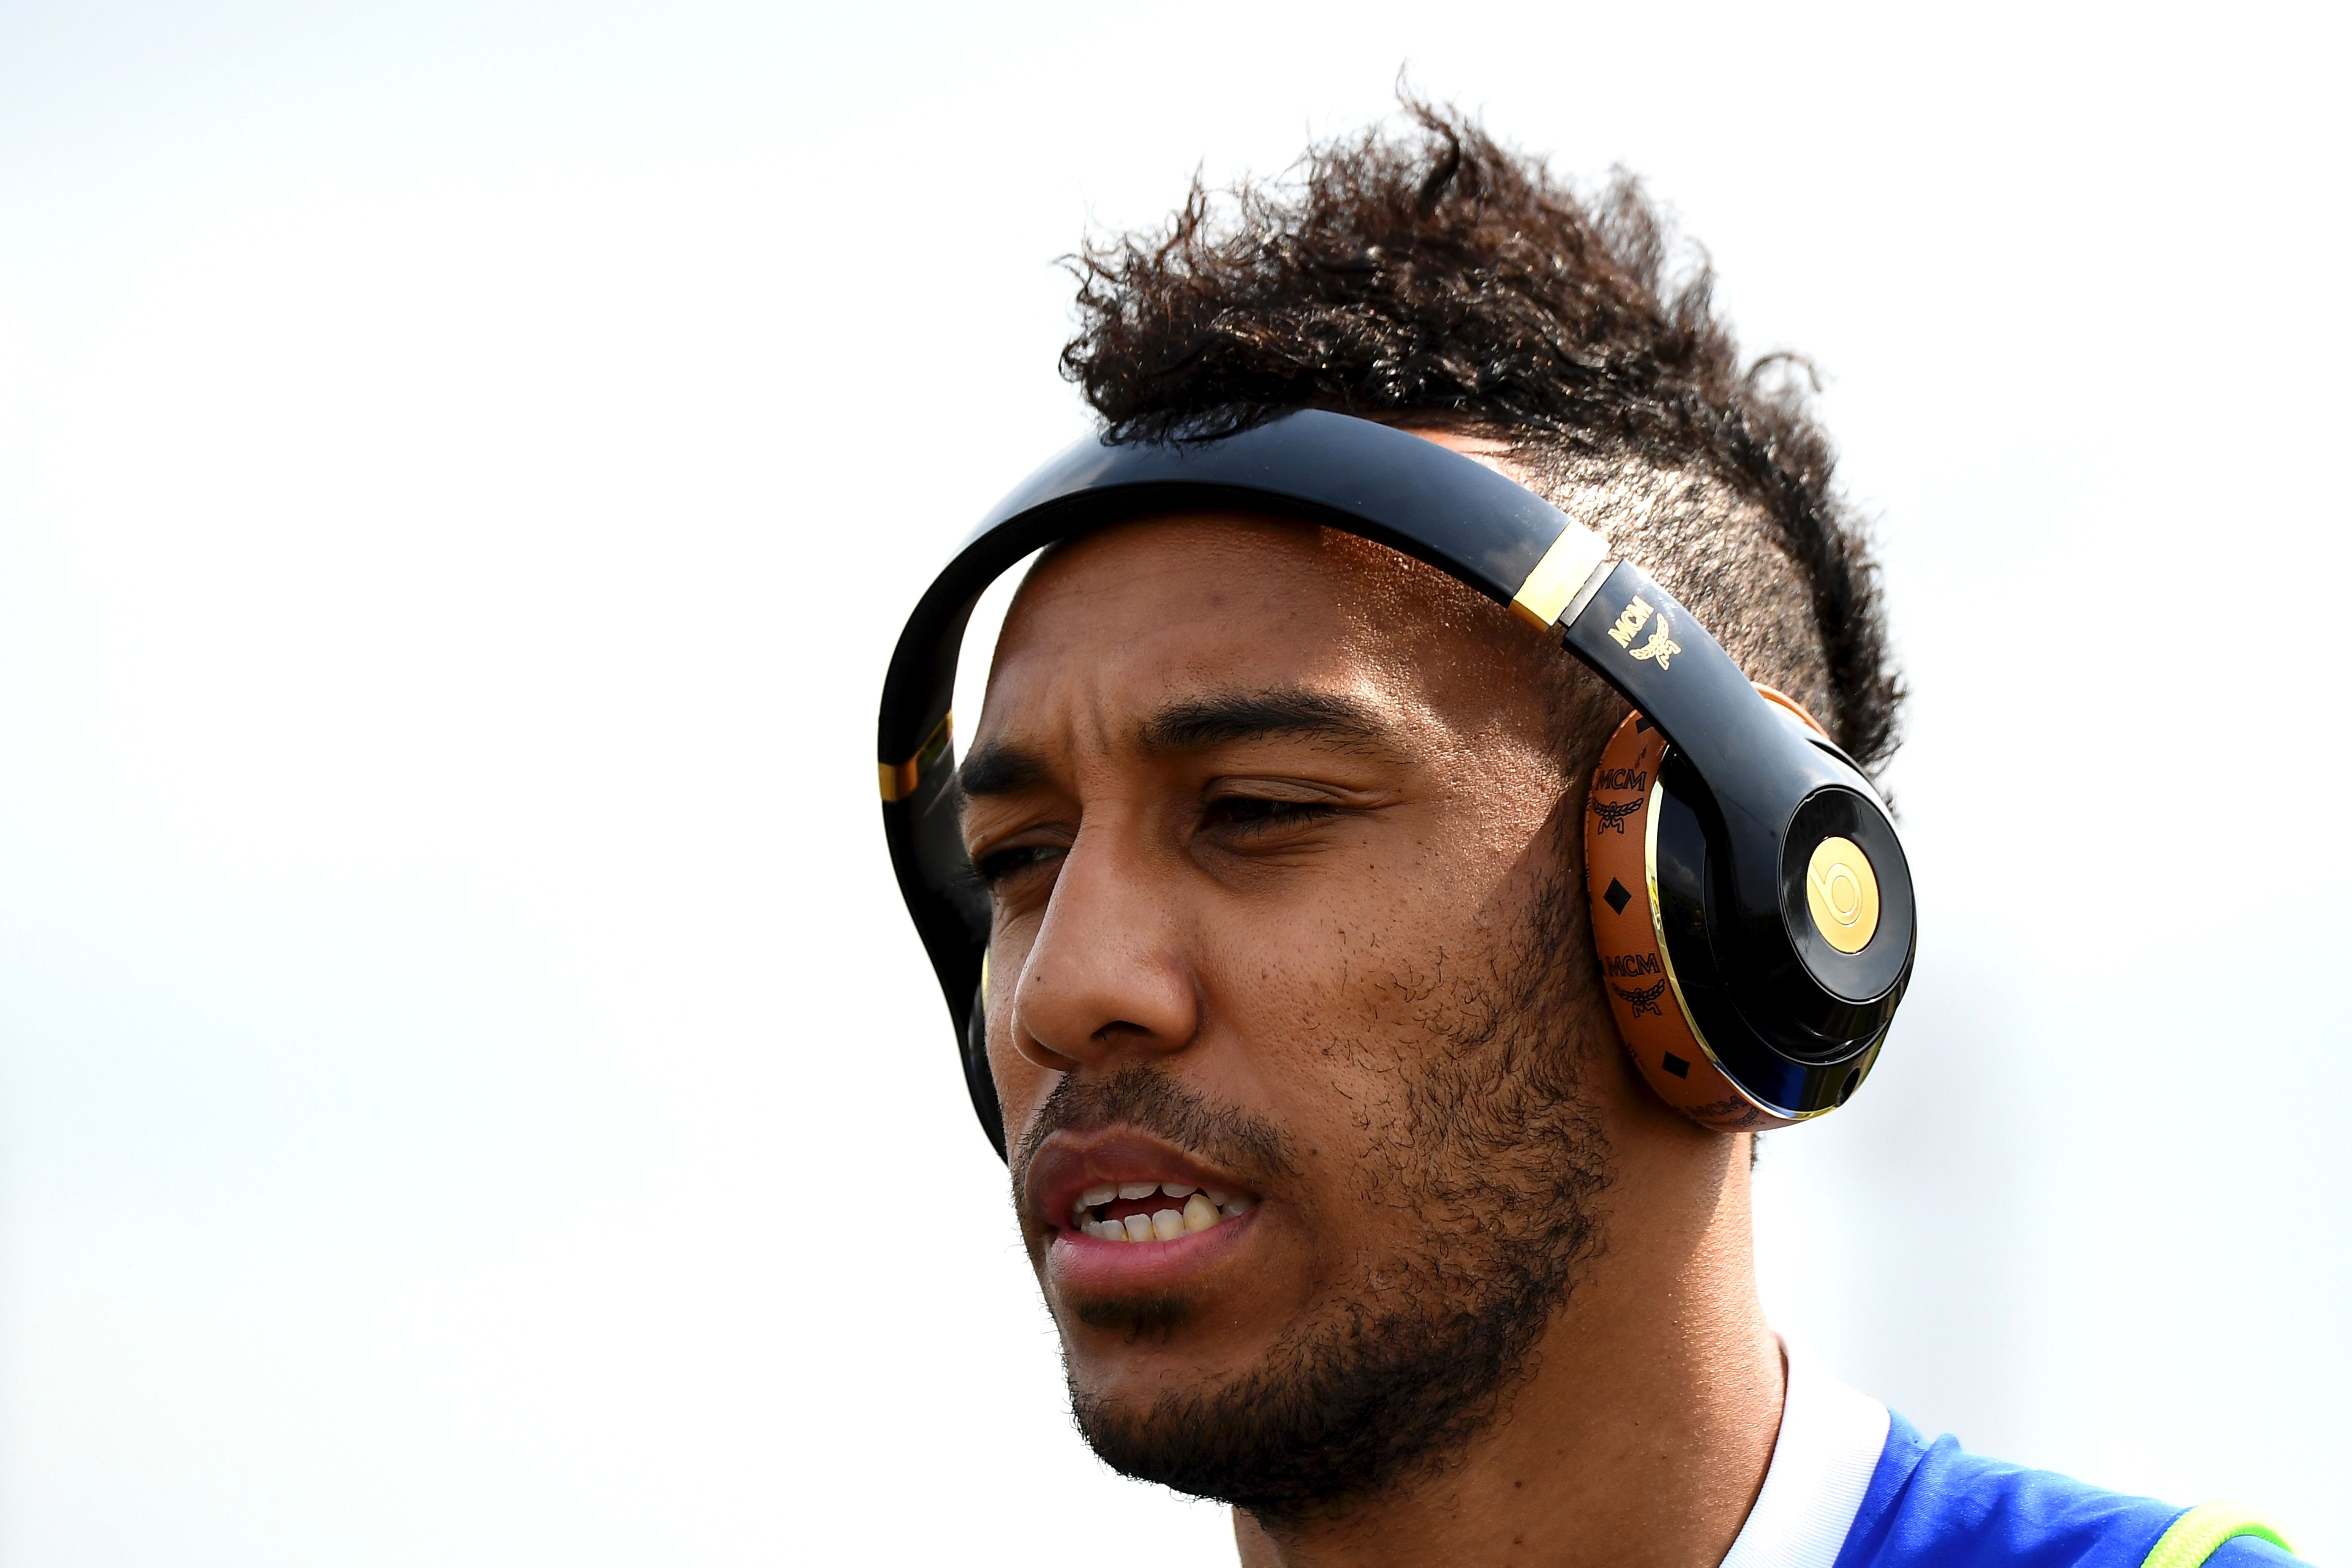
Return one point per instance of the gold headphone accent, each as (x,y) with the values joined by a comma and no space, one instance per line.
(1841,891)
(1550,588)
(900,780)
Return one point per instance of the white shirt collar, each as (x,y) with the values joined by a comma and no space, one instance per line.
(1830,1443)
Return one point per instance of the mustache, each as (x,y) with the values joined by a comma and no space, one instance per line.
(1150,1101)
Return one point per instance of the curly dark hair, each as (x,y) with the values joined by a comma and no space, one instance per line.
(1438,278)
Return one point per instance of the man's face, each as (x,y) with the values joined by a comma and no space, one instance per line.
(1290,1014)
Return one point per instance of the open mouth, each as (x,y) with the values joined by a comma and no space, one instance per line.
(1150,1211)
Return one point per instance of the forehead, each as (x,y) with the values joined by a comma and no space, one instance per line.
(1138,615)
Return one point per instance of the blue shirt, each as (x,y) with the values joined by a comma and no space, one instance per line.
(1853,1484)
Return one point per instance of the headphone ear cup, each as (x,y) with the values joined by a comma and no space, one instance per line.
(1780,699)
(978,1081)
(1652,1021)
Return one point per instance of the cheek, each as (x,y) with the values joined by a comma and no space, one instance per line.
(1325,1008)
(1357,950)
(1348,1006)
(1022,1085)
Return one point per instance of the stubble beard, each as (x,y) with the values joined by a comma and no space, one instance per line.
(1502,1162)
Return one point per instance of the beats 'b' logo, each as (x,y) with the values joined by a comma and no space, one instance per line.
(1841,891)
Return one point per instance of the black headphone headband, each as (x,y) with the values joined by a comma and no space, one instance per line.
(1771,790)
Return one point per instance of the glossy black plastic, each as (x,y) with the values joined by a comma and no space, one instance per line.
(1365,479)
(1796,1072)
(1784,1006)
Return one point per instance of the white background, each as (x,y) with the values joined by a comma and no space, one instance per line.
(466,1095)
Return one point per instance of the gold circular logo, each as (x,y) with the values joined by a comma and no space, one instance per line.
(1841,890)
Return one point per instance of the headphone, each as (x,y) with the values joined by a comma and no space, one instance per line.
(1751,905)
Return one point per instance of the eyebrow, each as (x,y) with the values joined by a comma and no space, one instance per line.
(1003,767)
(999,768)
(1222,720)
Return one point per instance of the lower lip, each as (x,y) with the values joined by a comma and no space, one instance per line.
(1089,1266)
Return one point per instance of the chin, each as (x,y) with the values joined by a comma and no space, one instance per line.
(1125,1358)
(1157,1318)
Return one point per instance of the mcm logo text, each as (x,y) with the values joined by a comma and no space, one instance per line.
(1661,646)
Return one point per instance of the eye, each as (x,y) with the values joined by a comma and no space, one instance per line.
(1253,814)
(1000,866)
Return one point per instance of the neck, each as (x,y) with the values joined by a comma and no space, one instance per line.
(1641,1433)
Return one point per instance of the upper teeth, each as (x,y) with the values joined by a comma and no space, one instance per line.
(1201,1208)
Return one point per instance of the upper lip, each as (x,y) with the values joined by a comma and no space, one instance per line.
(1070,1163)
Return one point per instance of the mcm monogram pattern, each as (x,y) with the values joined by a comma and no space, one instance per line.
(1660,647)
(1645,1000)
(1613,814)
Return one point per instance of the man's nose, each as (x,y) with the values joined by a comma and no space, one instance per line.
(1106,973)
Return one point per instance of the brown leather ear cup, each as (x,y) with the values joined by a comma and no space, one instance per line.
(1774,694)
(1652,1021)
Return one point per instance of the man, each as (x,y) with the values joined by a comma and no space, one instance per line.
(1349,1206)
